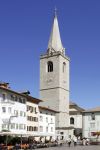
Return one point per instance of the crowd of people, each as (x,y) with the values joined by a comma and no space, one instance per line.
(75,141)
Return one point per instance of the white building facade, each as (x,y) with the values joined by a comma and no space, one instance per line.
(75,120)
(12,111)
(47,123)
(32,116)
(21,115)
(91,122)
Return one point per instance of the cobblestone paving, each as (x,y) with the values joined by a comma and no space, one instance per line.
(65,147)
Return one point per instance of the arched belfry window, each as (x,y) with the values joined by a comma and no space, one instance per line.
(50,66)
(64,66)
(71,120)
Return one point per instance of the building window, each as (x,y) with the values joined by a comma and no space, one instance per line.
(4,126)
(16,126)
(24,114)
(3,109)
(92,116)
(16,98)
(46,129)
(35,110)
(92,125)
(30,128)
(13,126)
(9,109)
(30,108)
(50,66)
(12,97)
(20,100)
(64,66)
(21,113)
(35,119)
(24,101)
(41,118)
(51,129)
(46,119)
(35,129)
(20,126)
(71,120)
(16,112)
(41,128)
(27,108)
(30,118)
(51,120)
(27,128)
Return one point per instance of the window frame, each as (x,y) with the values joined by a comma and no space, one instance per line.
(72,120)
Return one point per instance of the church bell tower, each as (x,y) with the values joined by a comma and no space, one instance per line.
(54,78)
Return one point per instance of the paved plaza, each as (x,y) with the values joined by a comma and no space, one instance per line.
(65,147)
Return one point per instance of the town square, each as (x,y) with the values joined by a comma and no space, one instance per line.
(50,77)
(74,148)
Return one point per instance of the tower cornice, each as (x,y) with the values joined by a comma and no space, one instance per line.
(54,54)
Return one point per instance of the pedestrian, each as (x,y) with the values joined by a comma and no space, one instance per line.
(17,146)
(69,142)
(87,141)
(75,140)
(84,141)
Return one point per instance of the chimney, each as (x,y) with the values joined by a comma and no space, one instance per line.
(25,92)
(4,85)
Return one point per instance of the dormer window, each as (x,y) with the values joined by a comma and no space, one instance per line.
(50,66)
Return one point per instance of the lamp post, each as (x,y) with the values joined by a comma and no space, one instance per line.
(89,135)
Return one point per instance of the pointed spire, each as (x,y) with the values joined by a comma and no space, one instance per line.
(55,43)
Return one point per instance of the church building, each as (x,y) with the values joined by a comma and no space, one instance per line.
(54,80)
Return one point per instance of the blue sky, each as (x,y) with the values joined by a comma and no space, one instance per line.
(25,27)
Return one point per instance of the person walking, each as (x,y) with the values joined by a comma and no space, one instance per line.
(87,141)
(69,142)
(84,141)
(75,140)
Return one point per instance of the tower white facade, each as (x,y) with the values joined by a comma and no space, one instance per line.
(54,78)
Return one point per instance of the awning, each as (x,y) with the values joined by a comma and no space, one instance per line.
(26,135)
